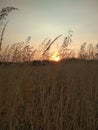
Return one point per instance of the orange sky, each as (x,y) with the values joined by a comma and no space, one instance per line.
(49,18)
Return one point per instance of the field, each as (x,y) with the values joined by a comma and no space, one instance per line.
(61,96)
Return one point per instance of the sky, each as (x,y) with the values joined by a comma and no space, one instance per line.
(49,18)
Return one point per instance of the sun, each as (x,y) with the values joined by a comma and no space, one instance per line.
(55,57)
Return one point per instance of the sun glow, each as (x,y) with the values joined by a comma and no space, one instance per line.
(55,57)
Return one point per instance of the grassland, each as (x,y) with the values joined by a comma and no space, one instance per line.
(62,96)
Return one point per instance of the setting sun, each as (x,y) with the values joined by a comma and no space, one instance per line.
(55,57)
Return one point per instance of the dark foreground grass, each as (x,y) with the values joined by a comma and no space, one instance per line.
(51,97)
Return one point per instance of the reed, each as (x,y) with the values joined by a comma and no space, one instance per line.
(57,97)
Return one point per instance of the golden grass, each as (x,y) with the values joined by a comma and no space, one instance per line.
(53,97)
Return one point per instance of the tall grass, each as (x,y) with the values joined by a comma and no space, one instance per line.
(62,96)
(53,97)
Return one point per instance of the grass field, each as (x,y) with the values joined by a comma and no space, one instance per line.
(52,97)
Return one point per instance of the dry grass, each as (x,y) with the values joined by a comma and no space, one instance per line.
(53,97)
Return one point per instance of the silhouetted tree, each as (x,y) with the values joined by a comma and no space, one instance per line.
(96,51)
(82,52)
(90,51)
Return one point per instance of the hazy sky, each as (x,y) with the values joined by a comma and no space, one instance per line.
(49,18)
